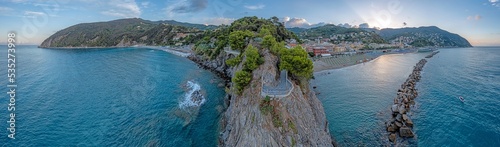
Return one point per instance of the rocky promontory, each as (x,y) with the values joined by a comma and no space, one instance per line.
(295,120)
(252,118)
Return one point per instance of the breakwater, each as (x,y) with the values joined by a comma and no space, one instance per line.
(431,55)
(401,123)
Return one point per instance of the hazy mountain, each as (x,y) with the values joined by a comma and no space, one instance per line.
(423,36)
(338,34)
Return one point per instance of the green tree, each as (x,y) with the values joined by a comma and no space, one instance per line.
(238,39)
(233,61)
(295,60)
(253,59)
(264,31)
(277,48)
(268,41)
(241,79)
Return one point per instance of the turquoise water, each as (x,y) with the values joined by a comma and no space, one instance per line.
(109,97)
(357,98)
(136,97)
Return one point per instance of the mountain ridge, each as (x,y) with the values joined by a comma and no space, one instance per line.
(416,36)
(125,32)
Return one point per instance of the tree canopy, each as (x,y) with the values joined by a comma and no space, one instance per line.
(295,60)
(238,39)
(253,59)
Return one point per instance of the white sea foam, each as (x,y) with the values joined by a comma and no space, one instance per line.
(193,96)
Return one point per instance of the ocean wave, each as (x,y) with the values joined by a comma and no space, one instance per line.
(193,96)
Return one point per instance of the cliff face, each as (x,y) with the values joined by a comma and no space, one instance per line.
(295,120)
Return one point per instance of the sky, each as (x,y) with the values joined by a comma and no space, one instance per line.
(476,20)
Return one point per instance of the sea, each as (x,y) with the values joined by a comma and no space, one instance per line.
(144,97)
(109,97)
(357,99)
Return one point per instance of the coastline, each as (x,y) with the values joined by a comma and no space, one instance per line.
(321,67)
(183,51)
(93,47)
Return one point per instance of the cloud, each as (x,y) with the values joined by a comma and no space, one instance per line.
(495,3)
(296,22)
(346,25)
(286,18)
(123,8)
(145,4)
(300,22)
(476,17)
(364,25)
(188,6)
(33,13)
(5,9)
(255,7)
(17,1)
(219,21)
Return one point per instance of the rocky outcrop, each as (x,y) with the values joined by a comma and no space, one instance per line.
(218,65)
(401,122)
(295,120)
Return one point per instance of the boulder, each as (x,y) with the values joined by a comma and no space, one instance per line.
(394,108)
(405,132)
(398,124)
(392,137)
(405,117)
(409,123)
(391,128)
(401,109)
(399,118)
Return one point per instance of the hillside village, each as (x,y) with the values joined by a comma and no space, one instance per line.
(358,40)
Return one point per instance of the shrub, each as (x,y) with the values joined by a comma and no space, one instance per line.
(265,105)
(268,41)
(277,48)
(253,59)
(241,79)
(233,61)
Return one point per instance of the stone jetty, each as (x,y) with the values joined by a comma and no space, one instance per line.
(430,55)
(401,124)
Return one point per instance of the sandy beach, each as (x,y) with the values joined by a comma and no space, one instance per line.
(341,61)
